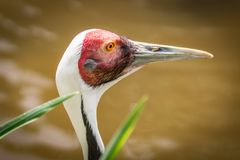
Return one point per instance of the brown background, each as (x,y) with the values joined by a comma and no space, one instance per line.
(193,110)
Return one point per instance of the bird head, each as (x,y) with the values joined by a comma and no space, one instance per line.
(99,56)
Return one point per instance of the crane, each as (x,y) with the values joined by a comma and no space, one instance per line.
(94,61)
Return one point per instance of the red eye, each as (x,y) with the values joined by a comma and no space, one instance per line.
(110,46)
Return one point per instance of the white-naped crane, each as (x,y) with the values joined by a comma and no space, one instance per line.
(94,61)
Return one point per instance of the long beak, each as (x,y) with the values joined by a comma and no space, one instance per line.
(147,52)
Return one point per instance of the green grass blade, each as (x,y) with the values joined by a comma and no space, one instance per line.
(32,115)
(123,132)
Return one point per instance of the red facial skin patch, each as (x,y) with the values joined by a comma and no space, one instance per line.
(107,65)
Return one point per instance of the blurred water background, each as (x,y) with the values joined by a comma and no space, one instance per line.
(194,108)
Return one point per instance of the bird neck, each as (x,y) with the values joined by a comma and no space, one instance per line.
(82,111)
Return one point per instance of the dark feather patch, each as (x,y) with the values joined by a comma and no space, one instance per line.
(94,151)
(90,65)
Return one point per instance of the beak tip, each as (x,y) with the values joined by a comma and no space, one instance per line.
(209,55)
(202,54)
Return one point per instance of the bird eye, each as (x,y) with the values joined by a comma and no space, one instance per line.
(109,46)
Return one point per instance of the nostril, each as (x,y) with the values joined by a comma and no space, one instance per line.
(157,49)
